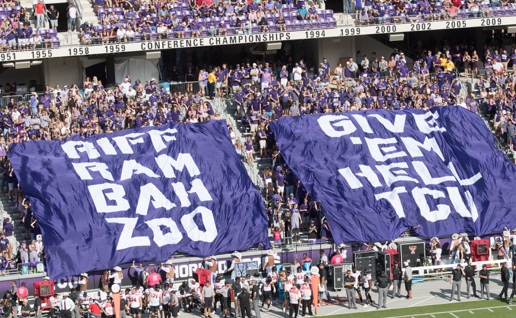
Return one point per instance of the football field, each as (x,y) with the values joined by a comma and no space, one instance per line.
(490,309)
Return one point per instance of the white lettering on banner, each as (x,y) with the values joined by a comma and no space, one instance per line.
(442,212)
(124,142)
(383,153)
(383,150)
(192,229)
(131,167)
(157,137)
(101,193)
(184,160)
(393,197)
(187,221)
(72,149)
(83,168)
(186,271)
(150,193)
(126,239)
(414,147)
(173,237)
(198,223)
(197,187)
(394,172)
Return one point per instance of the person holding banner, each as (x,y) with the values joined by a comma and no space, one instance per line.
(236,259)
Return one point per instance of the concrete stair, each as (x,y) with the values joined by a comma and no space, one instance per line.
(69,38)
(88,12)
(9,209)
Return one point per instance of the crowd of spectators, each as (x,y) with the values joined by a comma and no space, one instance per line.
(17,32)
(132,21)
(396,11)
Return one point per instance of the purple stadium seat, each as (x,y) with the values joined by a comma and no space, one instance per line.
(56,43)
(230,31)
(332,22)
(298,25)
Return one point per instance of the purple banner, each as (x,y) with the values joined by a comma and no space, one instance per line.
(378,173)
(139,194)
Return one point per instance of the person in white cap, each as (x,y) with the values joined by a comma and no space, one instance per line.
(408,278)
(435,251)
(269,261)
(169,272)
(211,262)
(83,282)
(236,259)
(454,248)
(117,276)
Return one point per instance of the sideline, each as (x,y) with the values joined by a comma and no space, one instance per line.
(455,311)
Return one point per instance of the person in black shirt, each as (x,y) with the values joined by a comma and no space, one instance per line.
(37,307)
(324,282)
(244,302)
(237,289)
(8,309)
(455,279)
(382,283)
(349,285)
(505,281)
(396,284)
(484,282)
(25,309)
(469,274)
(255,295)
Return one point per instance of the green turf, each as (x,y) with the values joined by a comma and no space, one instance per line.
(443,310)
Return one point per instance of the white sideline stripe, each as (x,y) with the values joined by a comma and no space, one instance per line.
(471,312)
(509,308)
(421,301)
(451,312)
(454,315)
